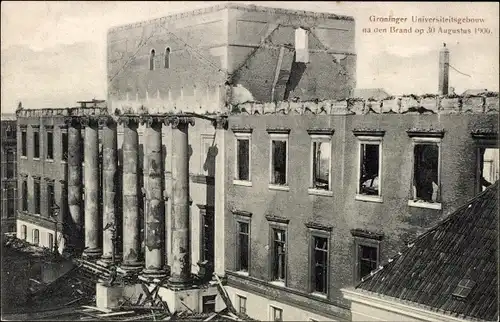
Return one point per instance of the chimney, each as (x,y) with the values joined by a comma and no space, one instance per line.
(444,70)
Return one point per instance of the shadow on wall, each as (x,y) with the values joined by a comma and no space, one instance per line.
(298,70)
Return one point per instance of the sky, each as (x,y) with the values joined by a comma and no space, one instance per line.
(54,53)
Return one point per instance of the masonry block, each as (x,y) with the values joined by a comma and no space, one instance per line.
(374,106)
(491,104)
(283,107)
(258,108)
(390,105)
(356,107)
(408,103)
(473,104)
(449,105)
(430,103)
(269,108)
(324,107)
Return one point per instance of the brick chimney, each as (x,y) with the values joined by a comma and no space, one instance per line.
(444,70)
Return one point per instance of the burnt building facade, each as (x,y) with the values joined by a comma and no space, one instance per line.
(9,172)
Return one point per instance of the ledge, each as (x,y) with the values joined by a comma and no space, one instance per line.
(314,225)
(366,234)
(421,204)
(278,131)
(202,179)
(320,192)
(242,183)
(484,134)
(278,219)
(242,130)
(425,133)
(368,132)
(205,207)
(241,213)
(325,131)
(369,198)
(279,187)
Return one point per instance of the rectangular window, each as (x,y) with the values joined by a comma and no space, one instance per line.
(50,146)
(36,145)
(50,198)
(51,241)
(11,164)
(320,264)
(367,257)
(24,146)
(367,252)
(36,237)
(11,202)
(64,146)
(36,195)
(278,166)
(207,237)
(242,304)
(369,176)
(208,303)
(321,154)
(243,158)
(25,195)
(208,155)
(24,232)
(488,167)
(276,314)
(278,261)
(243,240)
(426,172)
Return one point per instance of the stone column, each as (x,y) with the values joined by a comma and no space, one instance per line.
(181,248)
(221,124)
(75,225)
(130,191)
(155,204)
(92,221)
(109,168)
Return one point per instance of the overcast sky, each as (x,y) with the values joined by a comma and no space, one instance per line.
(54,53)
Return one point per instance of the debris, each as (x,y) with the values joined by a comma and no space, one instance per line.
(211,317)
(97,309)
(224,295)
(116,313)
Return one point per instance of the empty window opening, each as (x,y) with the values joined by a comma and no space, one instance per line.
(152,60)
(36,145)
(488,167)
(369,170)
(320,264)
(36,196)
(243,246)
(321,165)
(51,241)
(50,199)
(23,144)
(243,159)
(11,132)
(301,45)
(64,146)
(50,145)
(36,236)
(11,163)
(208,303)
(24,232)
(367,260)
(276,314)
(426,172)
(25,195)
(207,223)
(279,255)
(464,288)
(242,304)
(167,57)
(278,163)
(11,202)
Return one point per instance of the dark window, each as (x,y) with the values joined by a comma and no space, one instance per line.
(243,246)
(279,255)
(367,257)
(50,145)
(11,132)
(208,303)
(207,232)
(51,241)
(64,143)
(24,148)
(36,236)
(321,165)
(50,198)
(167,57)
(11,164)
(36,145)
(11,202)
(36,196)
(243,159)
(369,165)
(152,60)
(278,163)
(426,171)
(242,304)
(488,167)
(277,314)
(25,195)
(24,232)
(320,264)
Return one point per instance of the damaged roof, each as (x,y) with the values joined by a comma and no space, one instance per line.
(452,268)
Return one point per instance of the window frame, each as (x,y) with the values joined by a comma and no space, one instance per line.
(166,60)
(10,164)
(24,232)
(279,135)
(279,223)
(320,135)
(373,137)
(239,298)
(272,312)
(242,217)
(242,134)
(36,130)
(367,239)
(152,55)
(483,139)
(49,130)
(24,141)
(37,201)
(51,200)
(35,231)
(50,241)
(321,231)
(418,138)
(24,193)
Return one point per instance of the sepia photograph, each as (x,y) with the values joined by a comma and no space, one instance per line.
(250,161)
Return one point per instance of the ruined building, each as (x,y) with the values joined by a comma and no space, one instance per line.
(8,172)
(231,144)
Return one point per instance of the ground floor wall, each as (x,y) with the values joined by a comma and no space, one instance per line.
(43,234)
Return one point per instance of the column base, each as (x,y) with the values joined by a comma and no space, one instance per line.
(92,253)
(132,267)
(180,283)
(153,273)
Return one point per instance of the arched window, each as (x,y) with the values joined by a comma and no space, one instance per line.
(167,57)
(152,60)
(36,236)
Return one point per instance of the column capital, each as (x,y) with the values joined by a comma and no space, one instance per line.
(105,120)
(89,120)
(128,120)
(176,121)
(149,120)
(72,121)
(220,122)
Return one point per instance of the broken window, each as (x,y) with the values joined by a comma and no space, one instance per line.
(152,59)
(25,195)
(279,255)
(36,195)
(320,264)
(36,237)
(488,167)
(321,153)
(24,232)
(242,304)
(208,303)
(426,172)
(243,246)
(279,161)
(367,260)
(167,58)
(36,145)
(64,146)
(23,143)
(369,179)
(301,45)
(50,146)
(276,314)
(207,237)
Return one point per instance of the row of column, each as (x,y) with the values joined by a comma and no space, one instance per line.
(154,191)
